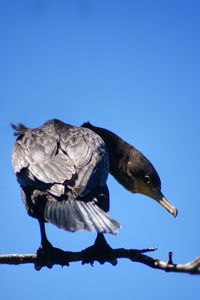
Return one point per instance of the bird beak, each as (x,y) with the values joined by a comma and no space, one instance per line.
(159,197)
(170,208)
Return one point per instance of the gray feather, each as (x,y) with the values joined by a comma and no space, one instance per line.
(56,153)
(73,215)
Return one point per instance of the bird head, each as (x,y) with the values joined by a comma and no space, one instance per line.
(142,178)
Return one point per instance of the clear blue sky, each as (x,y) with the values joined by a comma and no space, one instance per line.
(132,67)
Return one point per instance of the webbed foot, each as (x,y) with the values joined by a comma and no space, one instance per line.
(47,256)
(100,251)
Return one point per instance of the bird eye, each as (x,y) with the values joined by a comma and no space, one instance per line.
(147,179)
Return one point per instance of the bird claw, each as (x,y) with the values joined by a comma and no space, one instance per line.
(47,256)
(100,251)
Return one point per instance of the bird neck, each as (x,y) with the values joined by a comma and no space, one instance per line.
(118,151)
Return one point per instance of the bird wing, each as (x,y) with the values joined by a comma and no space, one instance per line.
(89,155)
(64,156)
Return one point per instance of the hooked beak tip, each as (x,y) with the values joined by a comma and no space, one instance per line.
(174,212)
(170,208)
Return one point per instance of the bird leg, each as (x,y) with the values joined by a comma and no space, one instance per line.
(44,241)
(100,251)
(47,255)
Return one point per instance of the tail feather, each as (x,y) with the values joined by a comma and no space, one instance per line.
(85,216)
(98,226)
(96,214)
(74,215)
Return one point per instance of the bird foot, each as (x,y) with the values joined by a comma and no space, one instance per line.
(100,251)
(47,256)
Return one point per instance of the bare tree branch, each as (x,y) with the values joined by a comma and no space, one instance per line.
(65,257)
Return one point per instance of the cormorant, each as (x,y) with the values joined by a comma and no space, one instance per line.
(62,171)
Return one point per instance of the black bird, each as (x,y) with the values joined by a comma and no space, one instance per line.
(62,171)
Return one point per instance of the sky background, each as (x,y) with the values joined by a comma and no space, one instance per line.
(129,66)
